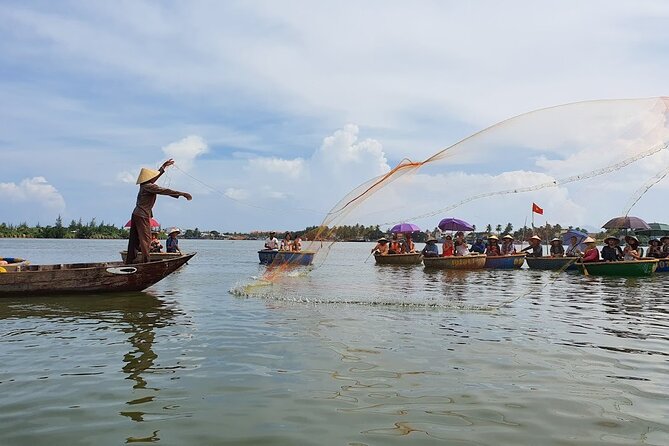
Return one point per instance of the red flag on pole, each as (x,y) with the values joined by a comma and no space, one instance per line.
(536,209)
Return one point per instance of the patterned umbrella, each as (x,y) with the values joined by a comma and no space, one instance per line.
(626,222)
(455,224)
(405,227)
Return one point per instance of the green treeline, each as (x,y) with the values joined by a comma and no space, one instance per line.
(76,229)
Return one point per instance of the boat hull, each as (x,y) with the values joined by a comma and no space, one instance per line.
(627,268)
(456,262)
(552,263)
(662,266)
(398,259)
(154,256)
(268,256)
(106,277)
(512,261)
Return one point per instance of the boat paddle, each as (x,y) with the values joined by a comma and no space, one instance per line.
(370,254)
(585,270)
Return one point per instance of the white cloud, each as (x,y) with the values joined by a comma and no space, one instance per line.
(236,194)
(34,190)
(293,168)
(186,150)
(126,177)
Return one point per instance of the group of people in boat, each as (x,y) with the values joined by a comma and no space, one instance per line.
(396,245)
(457,246)
(287,244)
(171,244)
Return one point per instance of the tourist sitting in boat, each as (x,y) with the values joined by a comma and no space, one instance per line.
(493,246)
(591,253)
(381,247)
(448,248)
(272,242)
(557,250)
(395,246)
(654,250)
(297,244)
(172,243)
(408,247)
(535,249)
(461,248)
(286,243)
(665,246)
(431,249)
(478,246)
(632,250)
(507,245)
(573,250)
(155,245)
(610,252)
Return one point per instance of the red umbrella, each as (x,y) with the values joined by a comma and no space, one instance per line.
(154,224)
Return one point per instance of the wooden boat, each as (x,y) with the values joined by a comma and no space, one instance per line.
(662,265)
(552,263)
(510,261)
(269,256)
(625,268)
(474,261)
(156,255)
(399,259)
(38,280)
(13,263)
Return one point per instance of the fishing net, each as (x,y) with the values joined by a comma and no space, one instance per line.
(577,160)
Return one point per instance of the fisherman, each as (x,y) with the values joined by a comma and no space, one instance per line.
(140,222)
(591,253)
(381,247)
(665,246)
(172,242)
(431,249)
(609,251)
(535,248)
(272,242)
(557,250)
(507,245)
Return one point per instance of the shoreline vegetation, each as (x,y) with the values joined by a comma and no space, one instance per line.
(354,233)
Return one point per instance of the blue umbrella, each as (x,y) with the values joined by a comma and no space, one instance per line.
(580,236)
(404,227)
(454,224)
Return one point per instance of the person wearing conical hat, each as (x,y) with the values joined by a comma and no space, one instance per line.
(493,246)
(140,222)
(507,245)
(610,250)
(591,253)
(654,250)
(431,249)
(535,248)
(632,250)
(172,242)
(381,247)
(557,250)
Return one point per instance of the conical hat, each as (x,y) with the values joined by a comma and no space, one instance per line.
(146,175)
(589,240)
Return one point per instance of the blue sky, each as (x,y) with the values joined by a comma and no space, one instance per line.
(286,106)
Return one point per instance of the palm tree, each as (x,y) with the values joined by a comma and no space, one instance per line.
(488,228)
(498,228)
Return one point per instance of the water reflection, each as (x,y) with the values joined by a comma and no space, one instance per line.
(137,315)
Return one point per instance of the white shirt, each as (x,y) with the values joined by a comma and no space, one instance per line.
(272,243)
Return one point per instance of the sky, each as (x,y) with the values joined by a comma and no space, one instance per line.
(275,110)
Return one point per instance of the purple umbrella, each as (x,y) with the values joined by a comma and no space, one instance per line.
(455,224)
(626,222)
(405,227)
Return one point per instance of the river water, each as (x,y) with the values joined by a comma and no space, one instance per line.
(350,354)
